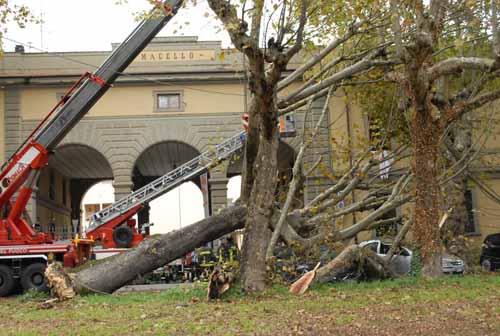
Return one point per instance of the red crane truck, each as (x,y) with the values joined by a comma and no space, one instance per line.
(24,252)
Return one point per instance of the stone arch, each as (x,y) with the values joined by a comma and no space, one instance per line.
(156,160)
(155,135)
(117,140)
(123,139)
(81,161)
(84,166)
(163,156)
(234,187)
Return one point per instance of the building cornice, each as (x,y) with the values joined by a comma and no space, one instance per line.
(134,79)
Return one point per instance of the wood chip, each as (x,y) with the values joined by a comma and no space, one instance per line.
(300,286)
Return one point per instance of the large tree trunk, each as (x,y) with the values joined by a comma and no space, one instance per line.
(426,130)
(157,251)
(262,195)
(425,134)
(260,170)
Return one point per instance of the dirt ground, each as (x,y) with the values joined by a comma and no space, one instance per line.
(468,305)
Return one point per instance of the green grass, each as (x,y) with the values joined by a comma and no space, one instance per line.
(332,308)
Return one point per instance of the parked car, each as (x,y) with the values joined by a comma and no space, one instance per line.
(402,259)
(490,253)
(452,265)
(400,262)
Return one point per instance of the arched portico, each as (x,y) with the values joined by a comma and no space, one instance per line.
(157,160)
(80,166)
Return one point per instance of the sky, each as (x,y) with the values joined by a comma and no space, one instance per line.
(92,25)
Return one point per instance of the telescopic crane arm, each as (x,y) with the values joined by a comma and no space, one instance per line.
(20,173)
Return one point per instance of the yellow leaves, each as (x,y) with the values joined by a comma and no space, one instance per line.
(232,26)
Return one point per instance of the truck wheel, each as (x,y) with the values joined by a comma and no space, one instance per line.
(7,282)
(123,236)
(32,277)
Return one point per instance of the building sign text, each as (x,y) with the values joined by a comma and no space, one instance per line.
(176,56)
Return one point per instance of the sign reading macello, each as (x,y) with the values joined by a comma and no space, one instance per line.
(176,56)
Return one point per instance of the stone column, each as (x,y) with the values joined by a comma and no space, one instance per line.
(218,191)
(122,189)
(13,134)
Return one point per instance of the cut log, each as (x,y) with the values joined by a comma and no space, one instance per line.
(59,282)
(157,251)
(219,282)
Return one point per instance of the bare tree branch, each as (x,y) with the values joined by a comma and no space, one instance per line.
(300,103)
(454,65)
(472,104)
(300,33)
(275,54)
(313,167)
(299,72)
(258,11)
(364,64)
(397,241)
(236,28)
(348,188)
(333,189)
(394,201)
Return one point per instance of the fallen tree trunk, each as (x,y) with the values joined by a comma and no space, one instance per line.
(354,258)
(157,251)
(344,263)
